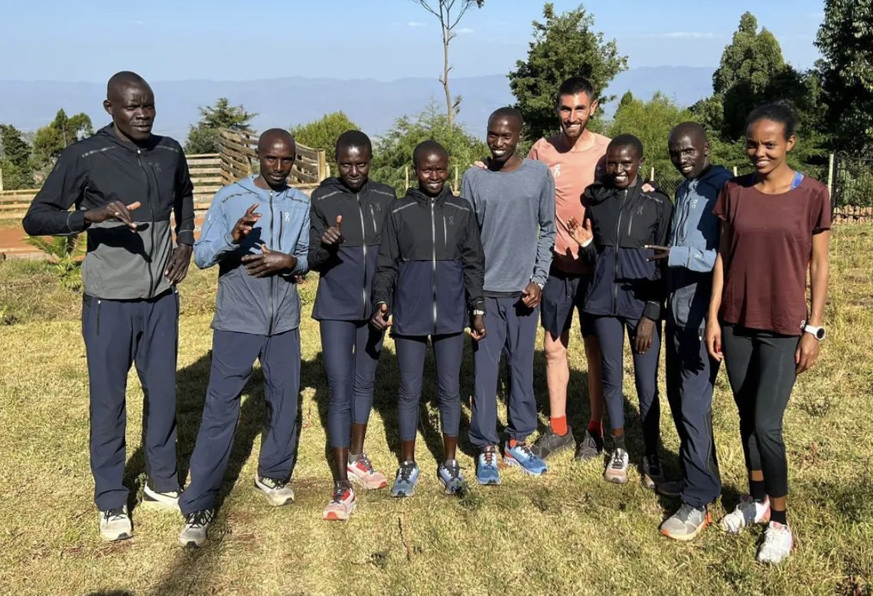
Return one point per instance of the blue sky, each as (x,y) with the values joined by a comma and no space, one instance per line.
(381,39)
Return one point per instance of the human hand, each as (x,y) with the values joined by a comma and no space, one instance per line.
(477,327)
(177,268)
(268,262)
(333,235)
(645,331)
(531,295)
(114,210)
(379,320)
(245,224)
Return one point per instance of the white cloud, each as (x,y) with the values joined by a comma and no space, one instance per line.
(416,24)
(463,31)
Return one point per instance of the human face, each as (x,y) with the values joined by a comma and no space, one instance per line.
(432,172)
(353,164)
(689,155)
(276,160)
(574,112)
(623,165)
(133,112)
(503,136)
(767,146)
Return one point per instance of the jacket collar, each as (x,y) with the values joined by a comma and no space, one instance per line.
(107,133)
(424,199)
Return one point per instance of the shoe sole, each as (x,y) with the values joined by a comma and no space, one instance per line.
(117,538)
(358,481)
(494,482)
(339,516)
(402,494)
(512,462)
(615,479)
(706,522)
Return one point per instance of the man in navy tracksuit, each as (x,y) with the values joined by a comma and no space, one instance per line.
(514,201)
(347,216)
(429,275)
(691,372)
(257,231)
(626,294)
(125,183)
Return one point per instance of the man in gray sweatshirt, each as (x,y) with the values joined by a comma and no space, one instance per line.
(514,202)
(691,373)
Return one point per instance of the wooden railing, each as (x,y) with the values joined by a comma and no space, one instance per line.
(238,150)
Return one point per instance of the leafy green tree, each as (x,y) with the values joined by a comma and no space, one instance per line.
(565,45)
(394,149)
(323,133)
(449,13)
(845,39)
(203,136)
(50,140)
(15,159)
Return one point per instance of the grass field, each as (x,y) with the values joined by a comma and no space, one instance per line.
(565,533)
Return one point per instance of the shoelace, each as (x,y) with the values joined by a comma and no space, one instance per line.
(617,462)
(405,472)
(112,515)
(524,449)
(489,457)
(454,470)
(198,519)
(339,492)
(685,512)
(273,483)
(364,463)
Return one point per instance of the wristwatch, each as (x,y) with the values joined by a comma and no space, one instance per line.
(817,332)
(478,313)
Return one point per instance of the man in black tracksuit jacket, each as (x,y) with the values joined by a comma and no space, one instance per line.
(627,292)
(430,274)
(347,216)
(125,183)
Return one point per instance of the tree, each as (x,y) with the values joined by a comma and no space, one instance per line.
(50,140)
(323,133)
(564,45)
(651,121)
(845,39)
(203,137)
(394,149)
(15,160)
(448,21)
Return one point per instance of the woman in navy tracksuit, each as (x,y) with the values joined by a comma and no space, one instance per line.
(429,276)
(626,293)
(347,215)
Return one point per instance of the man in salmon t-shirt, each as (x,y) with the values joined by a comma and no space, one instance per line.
(575,157)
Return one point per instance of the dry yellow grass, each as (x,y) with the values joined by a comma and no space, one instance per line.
(565,533)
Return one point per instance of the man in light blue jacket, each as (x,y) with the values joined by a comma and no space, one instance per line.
(691,373)
(257,231)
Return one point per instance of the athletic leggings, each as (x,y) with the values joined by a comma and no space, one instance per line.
(448,350)
(761,371)
(610,334)
(350,350)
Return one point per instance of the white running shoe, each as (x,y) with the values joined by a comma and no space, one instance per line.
(616,468)
(196,528)
(748,512)
(115,524)
(778,543)
(152,499)
(278,492)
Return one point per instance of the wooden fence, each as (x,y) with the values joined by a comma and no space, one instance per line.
(238,150)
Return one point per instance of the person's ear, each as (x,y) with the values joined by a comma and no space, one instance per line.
(107,106)
(792,140)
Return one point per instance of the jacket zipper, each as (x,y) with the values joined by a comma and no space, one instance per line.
(272,277)
(433,239)
(617,249)
(373,219)
(445,234)
(99,303)
(364,245)
(152,226)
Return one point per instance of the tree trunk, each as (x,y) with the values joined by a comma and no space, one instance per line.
(447,37)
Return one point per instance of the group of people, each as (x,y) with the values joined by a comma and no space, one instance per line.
(572,227)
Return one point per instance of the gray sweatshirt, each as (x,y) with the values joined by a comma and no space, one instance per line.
(516,216)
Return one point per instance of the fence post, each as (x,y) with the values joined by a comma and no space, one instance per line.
(406,173)
(652,174)
(456,189)
(831,175)
(735,172)
(1,179)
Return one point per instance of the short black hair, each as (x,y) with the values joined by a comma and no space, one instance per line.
(429,146)
(575,86)
(627,141)
(507,112)
(122,79)
(353,138)
(274,135)
(782,111)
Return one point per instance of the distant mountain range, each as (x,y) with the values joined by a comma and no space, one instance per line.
(373,105)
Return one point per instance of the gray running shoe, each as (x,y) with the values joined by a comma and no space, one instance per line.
(686,523)
(651,474)
(196,526)
(616,468)
(115,524)
(590,447)
(549,443)
(278,492)
(152,499)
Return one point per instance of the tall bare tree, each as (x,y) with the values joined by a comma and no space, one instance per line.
(449,13)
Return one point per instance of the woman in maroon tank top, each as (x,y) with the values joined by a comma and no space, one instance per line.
(775,228)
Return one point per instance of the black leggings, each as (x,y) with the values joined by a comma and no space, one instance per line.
(761,370)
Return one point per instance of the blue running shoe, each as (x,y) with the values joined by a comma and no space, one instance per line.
(486,467)
(521,456)
(406,479)
(449,474)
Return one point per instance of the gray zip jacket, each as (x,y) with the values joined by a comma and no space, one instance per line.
(694,239)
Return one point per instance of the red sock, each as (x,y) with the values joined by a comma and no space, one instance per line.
(512,443)
(559,425)
(595,427)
